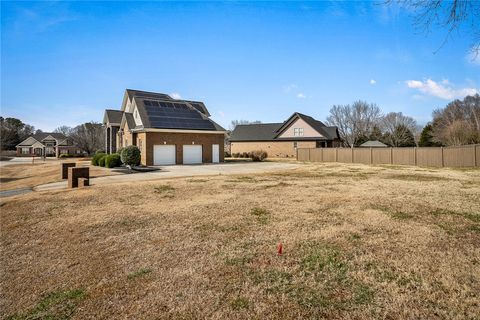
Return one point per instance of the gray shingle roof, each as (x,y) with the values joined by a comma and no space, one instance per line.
(373,144)
(271,131)
(255,132)
(55,135)
(113,116)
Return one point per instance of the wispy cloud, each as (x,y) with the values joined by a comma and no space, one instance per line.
(443,90)
(473,58)
(289,87)
(373,81)
(175,95)
(301,95)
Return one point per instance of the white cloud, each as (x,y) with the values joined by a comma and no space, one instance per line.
(289,87)
(221,114)
(175,95)
(372,81)
(444,90)
(301,95)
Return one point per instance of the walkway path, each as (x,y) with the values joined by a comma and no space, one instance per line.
(183,171)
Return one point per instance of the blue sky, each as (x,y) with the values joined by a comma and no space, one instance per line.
(63,63)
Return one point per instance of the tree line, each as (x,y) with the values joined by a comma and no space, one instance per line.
(89,136)
(456,124)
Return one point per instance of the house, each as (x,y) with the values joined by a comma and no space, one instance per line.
(282,139)
(49,144)
(373,144)
(166,130)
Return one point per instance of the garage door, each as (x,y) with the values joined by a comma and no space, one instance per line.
(192,154)
(163,154)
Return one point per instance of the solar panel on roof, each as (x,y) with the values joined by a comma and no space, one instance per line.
(180,117)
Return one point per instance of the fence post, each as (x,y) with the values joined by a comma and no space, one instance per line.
(474,155)
(309,158)
(352,156)
(371,155)
(442,158)
(321,155)
(391,155)
(415,155)
(336,154)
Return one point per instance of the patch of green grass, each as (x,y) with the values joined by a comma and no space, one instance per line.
(467,215)
(354,237)
(261,214)
(55,305)
(197,180)
(139,273)
(362,294)
(325,260)
(163,188)
(239,303)
(416,177)
(240,261)
(394,213)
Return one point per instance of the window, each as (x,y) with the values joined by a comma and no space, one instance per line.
(295,144)
(298,132)
(25,150)
(140,144)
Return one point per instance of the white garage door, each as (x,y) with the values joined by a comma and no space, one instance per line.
(163,154)
(192,154)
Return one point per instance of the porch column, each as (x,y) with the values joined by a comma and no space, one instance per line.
(110,140)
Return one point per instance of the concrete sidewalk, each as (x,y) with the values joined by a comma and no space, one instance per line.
(182,171)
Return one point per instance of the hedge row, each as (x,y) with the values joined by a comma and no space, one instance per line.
(129,156)
(257,155)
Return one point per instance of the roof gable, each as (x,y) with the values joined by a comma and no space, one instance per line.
(298,122)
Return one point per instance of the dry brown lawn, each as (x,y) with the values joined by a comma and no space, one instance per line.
(360,242)
(30,175)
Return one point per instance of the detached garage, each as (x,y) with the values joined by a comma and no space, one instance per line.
(167,131)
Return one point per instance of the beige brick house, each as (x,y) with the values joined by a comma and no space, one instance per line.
(166,130)
(281,140)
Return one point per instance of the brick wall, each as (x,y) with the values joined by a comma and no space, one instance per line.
(274,149)
(149,139)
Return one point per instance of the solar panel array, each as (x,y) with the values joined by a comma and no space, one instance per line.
(198,106)
(174,115)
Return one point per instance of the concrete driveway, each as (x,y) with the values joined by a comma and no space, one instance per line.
(166,172)
(25,160)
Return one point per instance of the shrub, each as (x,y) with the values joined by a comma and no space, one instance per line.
(258,155)
(236,155)
(113,160)
(101,161)
(130,156)
(96,158)
(245,155)
(119,151)
(227,154)
(99,151)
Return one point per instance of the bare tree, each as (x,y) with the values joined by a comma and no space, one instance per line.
(89,136)
(399,129)
(460,16)
(66,130)
(235,123)
(458,123)
(354,122)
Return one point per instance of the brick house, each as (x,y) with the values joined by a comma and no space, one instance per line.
(281,140)
(49,144)
(166,130)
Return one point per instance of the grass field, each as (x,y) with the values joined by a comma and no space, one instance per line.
(27,175)
(360,242)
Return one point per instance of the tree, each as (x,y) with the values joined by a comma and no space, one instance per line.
(354,122)
(89,136)
(235,123)
(12,132)
(458,123)
(426,137)
(455,16)
(399,129)
(65,130)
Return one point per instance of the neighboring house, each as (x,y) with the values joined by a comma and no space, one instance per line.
(49,144)
(373,144)
(282,139)
(166,130)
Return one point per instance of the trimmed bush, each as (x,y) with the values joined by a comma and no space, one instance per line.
(100,151)
(113,160)
(96,158)
(245,155)
(101,161)
(227,154)
(258,155)
(130,156)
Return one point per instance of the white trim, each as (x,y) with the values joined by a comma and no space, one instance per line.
(178,131)
(31,137)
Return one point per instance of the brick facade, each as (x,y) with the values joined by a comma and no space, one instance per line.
(149,139)
(274,149)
